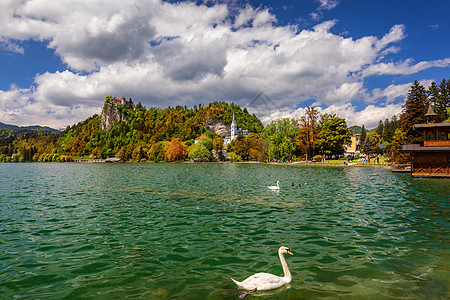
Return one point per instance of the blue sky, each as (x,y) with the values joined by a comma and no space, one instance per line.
(353,58)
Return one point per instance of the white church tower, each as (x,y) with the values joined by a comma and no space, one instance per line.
(233,128)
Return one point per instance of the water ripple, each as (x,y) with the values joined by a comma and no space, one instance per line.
(180,231)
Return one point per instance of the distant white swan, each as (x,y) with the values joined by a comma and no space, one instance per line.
(266,281)
(274,187)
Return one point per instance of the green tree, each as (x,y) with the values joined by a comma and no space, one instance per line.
(157,151)
(208,143)
(414,111)
(362,138)
(371,143)
(281,134)
(199,151)
(389,129)
(379,129)
(444,102)
(333,134)
(233,157)
(440,97)
(138,154)
(396,152)
(434,95)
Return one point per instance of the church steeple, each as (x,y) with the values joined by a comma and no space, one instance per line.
(233,128)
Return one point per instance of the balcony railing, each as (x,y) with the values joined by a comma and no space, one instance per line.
(437,143)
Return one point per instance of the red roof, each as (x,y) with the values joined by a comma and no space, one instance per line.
(201,137)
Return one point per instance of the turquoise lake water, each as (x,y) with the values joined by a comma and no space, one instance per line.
(180,231)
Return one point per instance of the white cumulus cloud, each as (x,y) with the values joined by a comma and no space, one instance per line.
(163,54)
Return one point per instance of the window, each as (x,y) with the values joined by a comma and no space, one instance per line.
(443,134)
(431,135)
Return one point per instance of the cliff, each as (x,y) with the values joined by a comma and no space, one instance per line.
(218,127)
(113,111)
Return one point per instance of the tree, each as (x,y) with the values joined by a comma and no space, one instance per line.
(333,134)
(207,142)
(121,153)
(199,151)
(440,97)
(138,154)
(157,151)
(241,148)
(253,146)
(362,138)
(286,148)
(397,154)
(217,143)
(307,131)
(218,147)
(176,150)
(444,103)
(282,135)
(389,129)
(371,143)
(234,157)
(414,111)
(380,128)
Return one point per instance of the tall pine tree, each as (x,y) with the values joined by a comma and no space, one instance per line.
(444,99)
(362,138)
(440,97)
(414,111)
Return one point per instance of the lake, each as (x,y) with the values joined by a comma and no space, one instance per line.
(180,231)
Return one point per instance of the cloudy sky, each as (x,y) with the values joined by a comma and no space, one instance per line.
(60,59)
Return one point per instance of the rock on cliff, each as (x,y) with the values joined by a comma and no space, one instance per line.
(113,111)
(217,126)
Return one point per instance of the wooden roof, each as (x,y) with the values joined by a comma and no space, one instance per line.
(430,111)
(419,148)
(432,125)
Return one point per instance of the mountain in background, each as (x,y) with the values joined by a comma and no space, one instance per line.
(24,128)
(356,129)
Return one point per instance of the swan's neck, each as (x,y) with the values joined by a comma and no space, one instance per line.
(287,273)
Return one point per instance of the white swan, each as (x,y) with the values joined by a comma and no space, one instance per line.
(274,187)
(266,281)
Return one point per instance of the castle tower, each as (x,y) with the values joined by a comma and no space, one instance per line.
(233,128)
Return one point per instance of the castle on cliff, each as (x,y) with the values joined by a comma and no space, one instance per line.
(122,101)
(111,113)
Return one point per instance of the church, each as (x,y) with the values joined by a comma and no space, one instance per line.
(234,132)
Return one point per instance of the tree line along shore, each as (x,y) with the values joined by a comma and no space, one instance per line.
(132,133)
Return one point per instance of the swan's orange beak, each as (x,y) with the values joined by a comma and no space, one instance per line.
(289,251)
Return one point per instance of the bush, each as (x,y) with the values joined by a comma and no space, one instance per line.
(318,157)
(199,152)
(234,157)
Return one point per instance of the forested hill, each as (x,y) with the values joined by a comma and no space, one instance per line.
(139,134)
(146,128)
(7,129)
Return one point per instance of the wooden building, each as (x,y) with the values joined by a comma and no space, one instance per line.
(432,159)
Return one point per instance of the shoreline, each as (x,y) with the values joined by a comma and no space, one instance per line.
(300,164)
(309,164)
